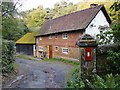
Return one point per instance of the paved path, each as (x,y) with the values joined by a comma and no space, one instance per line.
(41,74)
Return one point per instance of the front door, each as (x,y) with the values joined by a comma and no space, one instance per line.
(50,51)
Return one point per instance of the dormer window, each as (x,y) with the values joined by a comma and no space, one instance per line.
(65,36)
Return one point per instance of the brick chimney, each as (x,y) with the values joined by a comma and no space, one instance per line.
(48,18)
(93,5)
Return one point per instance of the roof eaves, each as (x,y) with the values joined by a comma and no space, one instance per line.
(60,32)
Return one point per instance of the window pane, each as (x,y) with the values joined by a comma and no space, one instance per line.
(56,36)
(65,50)
(65,35)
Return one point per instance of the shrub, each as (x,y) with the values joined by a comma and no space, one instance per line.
(96,81)
(8,58)
(75,81)
(108,81)
(113,61)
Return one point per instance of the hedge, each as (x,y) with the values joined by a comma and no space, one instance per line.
(8,58)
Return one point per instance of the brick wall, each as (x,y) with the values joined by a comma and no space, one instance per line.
(73,50)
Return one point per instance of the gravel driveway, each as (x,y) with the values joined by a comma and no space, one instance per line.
(41,74)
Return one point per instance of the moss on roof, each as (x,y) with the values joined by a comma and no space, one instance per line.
(27,39)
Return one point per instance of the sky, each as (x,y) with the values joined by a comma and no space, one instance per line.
(29,4)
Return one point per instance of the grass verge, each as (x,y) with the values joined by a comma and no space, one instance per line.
(63,60)
(25,57)
(46,59)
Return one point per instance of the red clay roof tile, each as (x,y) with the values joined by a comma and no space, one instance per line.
(75,21)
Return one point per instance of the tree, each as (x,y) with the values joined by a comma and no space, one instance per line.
(35,17)
(116,24)
(63,8)
(11,28)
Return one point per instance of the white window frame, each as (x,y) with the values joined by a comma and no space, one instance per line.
(57,48)
(40,48)
(50,36)
(34,47)
(40,38)
(63,50)
(65,36)
(56,35)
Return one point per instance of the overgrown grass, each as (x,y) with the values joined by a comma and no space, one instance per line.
(109,81)
(46,59)
(63,60)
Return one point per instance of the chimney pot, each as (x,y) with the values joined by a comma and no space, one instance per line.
(93,5)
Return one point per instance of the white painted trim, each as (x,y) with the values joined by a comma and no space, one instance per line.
(93,27)
(64,37)
(65,52)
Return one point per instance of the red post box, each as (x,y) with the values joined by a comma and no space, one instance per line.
(88,54)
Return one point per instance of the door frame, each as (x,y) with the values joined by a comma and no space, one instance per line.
(50,51)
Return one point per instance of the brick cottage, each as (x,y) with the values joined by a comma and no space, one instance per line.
(57,37)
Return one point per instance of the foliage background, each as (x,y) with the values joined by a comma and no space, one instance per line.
(8,58)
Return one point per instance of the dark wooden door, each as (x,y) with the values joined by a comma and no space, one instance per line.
(50,51)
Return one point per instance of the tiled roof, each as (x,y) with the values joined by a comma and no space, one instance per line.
(75,21)
(27,39)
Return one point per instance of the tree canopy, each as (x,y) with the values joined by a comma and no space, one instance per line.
(116,24)
(12,27)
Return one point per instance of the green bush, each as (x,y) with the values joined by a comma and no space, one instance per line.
(113,62)
(96,81)
(75,81)
(108,81)
(8,58)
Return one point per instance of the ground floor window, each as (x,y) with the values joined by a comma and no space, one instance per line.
(40,48)
(56,48)
(65,50)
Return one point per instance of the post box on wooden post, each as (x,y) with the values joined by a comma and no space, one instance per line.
(87,60)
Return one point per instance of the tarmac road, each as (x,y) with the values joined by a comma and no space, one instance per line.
(41,74)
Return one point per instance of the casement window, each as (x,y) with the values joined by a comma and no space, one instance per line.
(65,36)
(65,50)
(40,48)
(50,36)
(40,38)
(56,48)
(56,36)
(101,32)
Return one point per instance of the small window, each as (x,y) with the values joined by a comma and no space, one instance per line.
(50,36)
(56,36)
(65,50)
(56,48)
(40,38)
(101,31)
(40,48)
(65,36)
